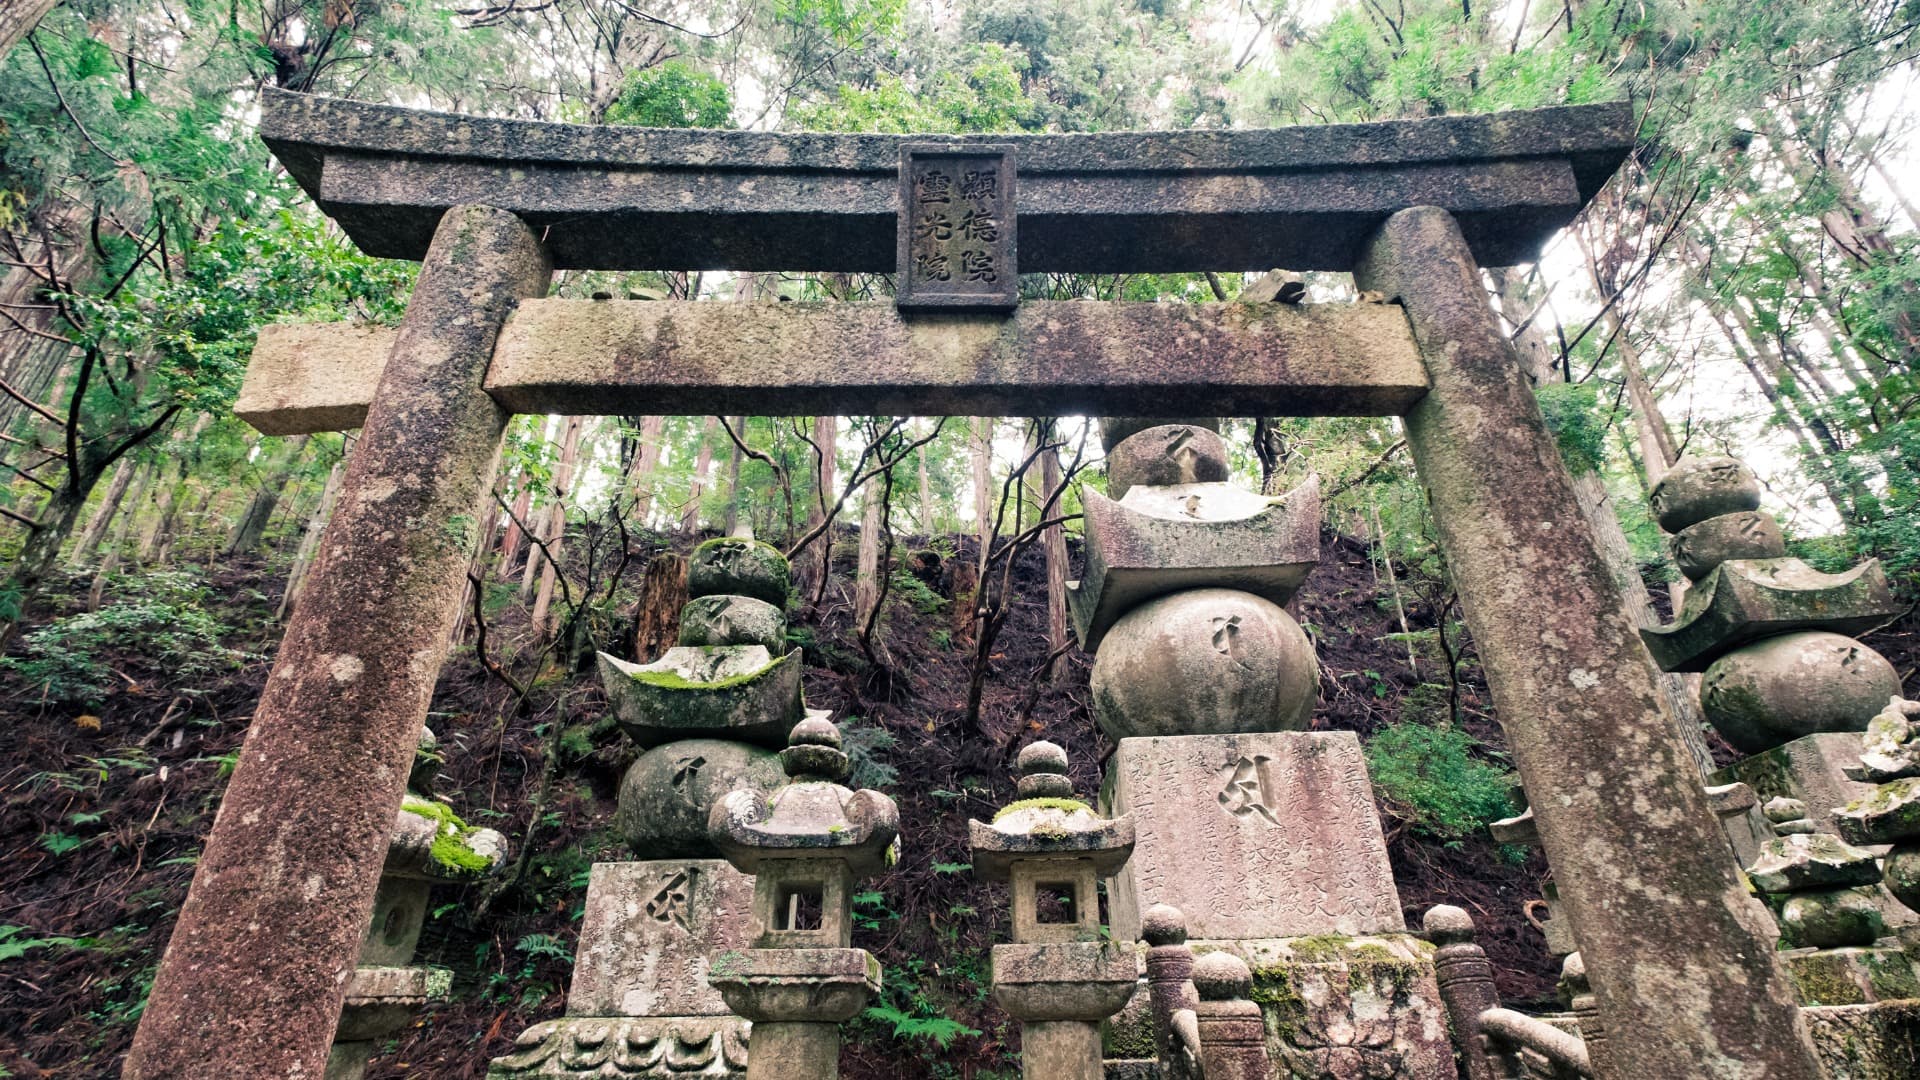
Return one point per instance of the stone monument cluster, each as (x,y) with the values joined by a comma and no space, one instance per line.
(711,714)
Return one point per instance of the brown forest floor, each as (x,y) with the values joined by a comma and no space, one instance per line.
(145,781)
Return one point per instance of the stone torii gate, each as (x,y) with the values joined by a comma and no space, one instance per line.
(254,977)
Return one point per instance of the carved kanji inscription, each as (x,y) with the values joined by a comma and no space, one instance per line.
(1253,836)
(956,232)
(648,931)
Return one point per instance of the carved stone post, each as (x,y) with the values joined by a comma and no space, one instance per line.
(1466,985)
(1233,1034)
(1169,981)
(258,966)
(1579,995)
(1681,956)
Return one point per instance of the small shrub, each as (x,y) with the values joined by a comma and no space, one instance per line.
(161,621)
(865,743)
(1433,780)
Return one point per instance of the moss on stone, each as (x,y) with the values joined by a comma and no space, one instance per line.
(1066,805)
(673,680)
(450,848)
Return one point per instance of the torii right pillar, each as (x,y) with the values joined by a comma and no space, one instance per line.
(1680,956)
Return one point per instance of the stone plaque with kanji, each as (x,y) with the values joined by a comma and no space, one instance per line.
(650,929)
(1262,835)
(956,232)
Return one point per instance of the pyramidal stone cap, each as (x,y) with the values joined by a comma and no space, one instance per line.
(813,816)
(1048,825)
(1804,861)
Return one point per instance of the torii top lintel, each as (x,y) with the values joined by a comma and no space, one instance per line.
(620,198)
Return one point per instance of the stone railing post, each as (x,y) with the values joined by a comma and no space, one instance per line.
(258,966)
(1680,955)
(1232,1031)
(1169,984)
(1465,976)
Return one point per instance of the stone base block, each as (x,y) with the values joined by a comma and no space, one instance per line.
(1348,1008)
(581,1047)
(1867,1042)
(1850,976)
(382,1000)
(1285,820)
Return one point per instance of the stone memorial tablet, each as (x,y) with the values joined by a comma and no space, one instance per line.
(1260,835)
(648,930)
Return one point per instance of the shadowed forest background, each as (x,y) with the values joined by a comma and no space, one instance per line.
(1749,283)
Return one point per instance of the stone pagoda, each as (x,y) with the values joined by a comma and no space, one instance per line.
(1206,684)
(1782,679)
(1061,976)
(710,715)
(805,845)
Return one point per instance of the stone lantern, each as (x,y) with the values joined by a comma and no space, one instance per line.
(1058,978)
(804,845)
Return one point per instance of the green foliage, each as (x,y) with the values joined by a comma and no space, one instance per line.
(545,945)
(161,622)
(1433,780)
(866,744)
(939,1030)
(1578,426)
(916,593)
(672,95)
(13,946)
(983,92)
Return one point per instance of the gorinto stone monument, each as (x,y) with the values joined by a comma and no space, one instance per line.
(1182,597)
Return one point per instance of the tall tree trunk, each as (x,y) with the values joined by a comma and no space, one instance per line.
(1054,540)
(310,540)
(702,464)
(104,515)
(927,522)
(557,526)
(117,547)
(731,526)
(646,462)
(816,565)
(866,580)
(18,18)
(983,509)
(38,554)
(516,533)
(252,525)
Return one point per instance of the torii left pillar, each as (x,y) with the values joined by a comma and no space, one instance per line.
(257,969)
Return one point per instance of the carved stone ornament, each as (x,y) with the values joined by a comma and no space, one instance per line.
(578,1047)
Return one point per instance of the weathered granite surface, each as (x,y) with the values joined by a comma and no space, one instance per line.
(1161,540)
(1348,1008)
(1204,662)
(1810,770)
(296,852)
(1165,455)
(1851,976)
(631,198)
(731,692)
(648,933)
(1293,843)
(669,791)
(1867,1042)
(1780,689)
(1049,358)
(1745,600)
(1699,488)
(654,1048)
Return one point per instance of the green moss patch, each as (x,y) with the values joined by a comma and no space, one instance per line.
(1066,805)
(673,680)
(450,847)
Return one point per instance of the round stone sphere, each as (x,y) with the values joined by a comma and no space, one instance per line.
(1204,662)
(1697,488)
(735,566)
(1777,690)
(667,794)
(1831,919)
